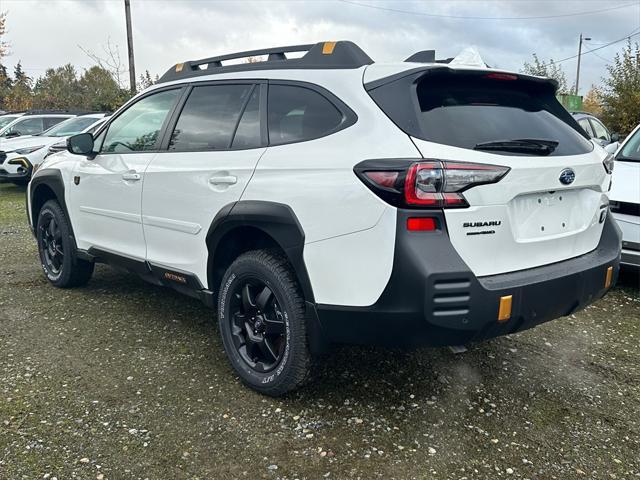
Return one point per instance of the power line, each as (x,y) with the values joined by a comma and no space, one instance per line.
(462,17)
(603,46)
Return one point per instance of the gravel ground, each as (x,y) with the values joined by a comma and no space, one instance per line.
(121,379)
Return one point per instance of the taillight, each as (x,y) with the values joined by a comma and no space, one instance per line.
(426,184)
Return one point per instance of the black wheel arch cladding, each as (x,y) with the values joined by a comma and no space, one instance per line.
(278,221)
(52,180)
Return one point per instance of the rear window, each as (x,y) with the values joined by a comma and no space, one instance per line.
(471,109)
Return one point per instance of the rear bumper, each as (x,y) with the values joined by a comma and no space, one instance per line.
(432,297)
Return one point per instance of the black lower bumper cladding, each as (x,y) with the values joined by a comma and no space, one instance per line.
(433,298)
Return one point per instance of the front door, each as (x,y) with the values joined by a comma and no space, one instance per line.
(106,193)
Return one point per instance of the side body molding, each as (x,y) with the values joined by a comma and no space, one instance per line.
(276,220)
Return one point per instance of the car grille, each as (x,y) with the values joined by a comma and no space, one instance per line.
(3,157)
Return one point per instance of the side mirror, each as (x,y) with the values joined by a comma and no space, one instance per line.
(81,144)
(615,137)
(611,148)
(13,134)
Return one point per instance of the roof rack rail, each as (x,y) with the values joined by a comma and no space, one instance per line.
(427,56)
(322,55)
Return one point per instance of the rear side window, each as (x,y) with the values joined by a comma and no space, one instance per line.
(471,109)
(631,151)
(600,131)
(209,117)
(586,126)
(297,114)
(248,132)
(51,121)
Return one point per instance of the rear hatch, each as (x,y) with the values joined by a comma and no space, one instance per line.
(549,206)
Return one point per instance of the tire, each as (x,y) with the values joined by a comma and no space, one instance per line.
(57,250)
(260,298)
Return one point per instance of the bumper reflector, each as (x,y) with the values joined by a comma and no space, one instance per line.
(609,278)
(504,312)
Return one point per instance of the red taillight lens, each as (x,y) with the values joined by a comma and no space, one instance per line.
(421,224)
(384,179)
(439,184)
(425,184)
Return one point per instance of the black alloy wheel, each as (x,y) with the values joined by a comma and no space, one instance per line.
(257,325)
(51,245)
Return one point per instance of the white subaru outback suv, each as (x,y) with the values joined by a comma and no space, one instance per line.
(327,199)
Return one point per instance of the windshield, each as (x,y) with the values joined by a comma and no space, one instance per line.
(70,127)
(631,151)
(6,120)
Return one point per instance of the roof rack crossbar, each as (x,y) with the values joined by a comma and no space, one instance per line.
(340,54)
(279,52)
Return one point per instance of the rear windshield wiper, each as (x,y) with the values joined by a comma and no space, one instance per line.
(520,145)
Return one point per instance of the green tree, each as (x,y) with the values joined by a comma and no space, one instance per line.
(58,88)
(146,80)
(100,91)
(5,87)
(621,90)
(20,97)
(548,69)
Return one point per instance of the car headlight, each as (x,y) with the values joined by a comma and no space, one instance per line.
(28,150)
(608,163)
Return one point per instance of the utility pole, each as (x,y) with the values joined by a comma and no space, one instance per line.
(132,67)
(579,56)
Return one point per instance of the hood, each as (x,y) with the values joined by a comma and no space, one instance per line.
(626,178)
(12,144)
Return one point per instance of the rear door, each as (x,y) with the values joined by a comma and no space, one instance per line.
(552,203)
(209,154)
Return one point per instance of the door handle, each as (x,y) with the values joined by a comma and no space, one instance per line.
(223,180)
(131,176)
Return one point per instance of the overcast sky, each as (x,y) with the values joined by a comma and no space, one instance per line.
(48,33)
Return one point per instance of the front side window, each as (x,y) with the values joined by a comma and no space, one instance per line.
(138,127)
(28,126)
(209,117)
(599,131)
(297,114)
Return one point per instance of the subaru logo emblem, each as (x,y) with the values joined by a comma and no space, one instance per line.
(567,176)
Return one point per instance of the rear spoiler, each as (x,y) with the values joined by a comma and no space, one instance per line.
(418,72)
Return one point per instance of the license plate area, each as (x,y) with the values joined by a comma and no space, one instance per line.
(534,216)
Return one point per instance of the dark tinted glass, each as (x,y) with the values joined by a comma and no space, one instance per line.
(209,117)
(51,121)
(466,111)
(297,113)
(248,132)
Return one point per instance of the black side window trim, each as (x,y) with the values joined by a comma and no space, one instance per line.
(349,117)
(105,126)
(173,120)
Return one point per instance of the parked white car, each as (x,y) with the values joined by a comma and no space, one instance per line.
(30,123)
(21,155)
(329,199)
(625,197)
